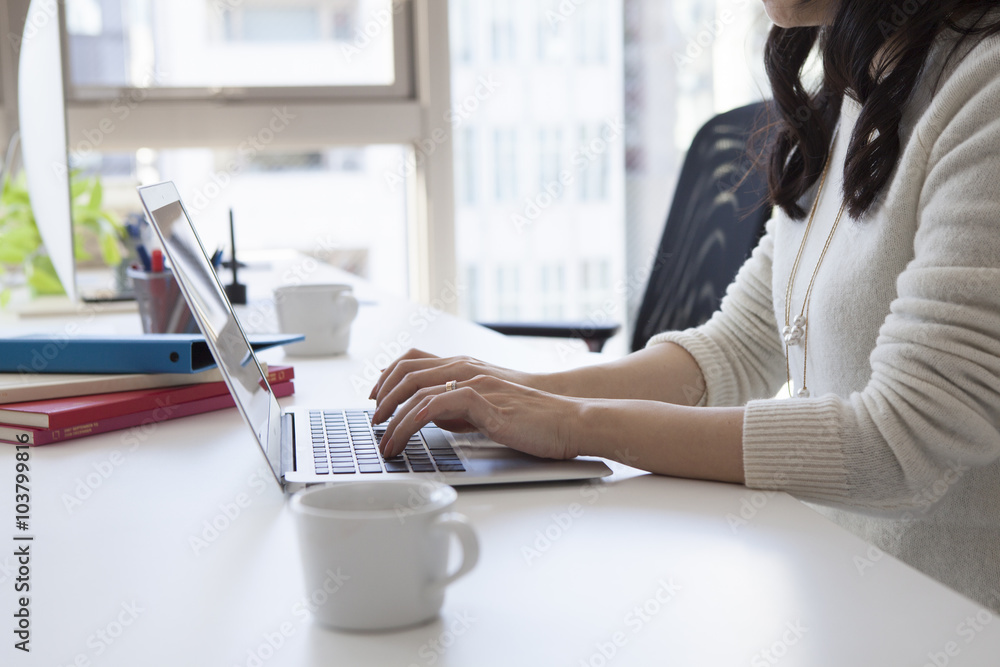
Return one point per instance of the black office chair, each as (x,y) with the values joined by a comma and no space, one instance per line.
(716,219)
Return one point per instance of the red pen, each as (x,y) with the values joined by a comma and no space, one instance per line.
(157,261)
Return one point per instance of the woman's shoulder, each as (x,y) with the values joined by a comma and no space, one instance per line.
(961,63)
(960,84)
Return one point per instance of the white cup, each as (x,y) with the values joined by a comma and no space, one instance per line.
(382,547)
(322,312)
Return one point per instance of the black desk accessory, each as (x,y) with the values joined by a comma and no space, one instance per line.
(236,291)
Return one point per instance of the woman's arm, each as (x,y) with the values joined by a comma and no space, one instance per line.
(697,443)
(660,373)
(666,373)
(701,443)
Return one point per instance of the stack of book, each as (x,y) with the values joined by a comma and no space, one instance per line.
(43,408)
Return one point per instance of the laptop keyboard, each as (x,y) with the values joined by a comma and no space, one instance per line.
(344,442)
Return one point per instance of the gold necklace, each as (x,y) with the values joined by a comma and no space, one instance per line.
(797,331)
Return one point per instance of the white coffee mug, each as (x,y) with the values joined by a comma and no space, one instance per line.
(379,551)
(322,312)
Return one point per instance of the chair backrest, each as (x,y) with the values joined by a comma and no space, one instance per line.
(716,219)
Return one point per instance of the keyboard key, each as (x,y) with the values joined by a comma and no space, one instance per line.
(451,467)
(396,465)
(422,467)
(369,468)
(435,438)
(343,471)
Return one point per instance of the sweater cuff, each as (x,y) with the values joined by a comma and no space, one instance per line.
(796,445)
(720,382)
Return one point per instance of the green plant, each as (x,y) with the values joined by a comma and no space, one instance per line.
(21,245)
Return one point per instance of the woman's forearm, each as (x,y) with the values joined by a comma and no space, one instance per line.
(697,443)
(665,373)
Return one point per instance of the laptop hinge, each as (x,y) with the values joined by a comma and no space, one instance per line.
(287,444)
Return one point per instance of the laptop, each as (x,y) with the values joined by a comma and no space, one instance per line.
(322,445)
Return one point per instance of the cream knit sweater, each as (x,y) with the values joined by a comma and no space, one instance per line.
(900,440)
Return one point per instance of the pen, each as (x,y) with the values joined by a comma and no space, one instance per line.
(156,263)
(147,263)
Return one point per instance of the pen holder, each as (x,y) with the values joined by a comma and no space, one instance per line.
(162,307)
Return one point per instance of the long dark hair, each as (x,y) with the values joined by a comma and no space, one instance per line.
(874,51)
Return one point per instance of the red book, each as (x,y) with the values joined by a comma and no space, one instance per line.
(166,410)
(59,413)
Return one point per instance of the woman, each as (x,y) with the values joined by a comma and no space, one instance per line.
(875,291)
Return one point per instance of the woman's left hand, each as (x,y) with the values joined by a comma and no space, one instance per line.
(525,419)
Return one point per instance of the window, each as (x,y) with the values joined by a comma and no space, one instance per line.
(532,235)
(463,31)
(466,164)
(549,157)
(595,283)
(502,32)
(472,295)
(220,44)
(509,291)
(593,155)
(272,24)
(331,202)
(552,46)
(591,33)
(505,163)
(553,292)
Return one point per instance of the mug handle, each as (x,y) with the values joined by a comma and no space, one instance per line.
(353,301)
(458,525)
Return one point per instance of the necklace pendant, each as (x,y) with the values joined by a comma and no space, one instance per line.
(802,393)
(794,334)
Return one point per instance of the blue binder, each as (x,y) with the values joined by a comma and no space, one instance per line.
(146,353)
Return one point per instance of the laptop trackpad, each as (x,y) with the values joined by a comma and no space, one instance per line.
(486,456)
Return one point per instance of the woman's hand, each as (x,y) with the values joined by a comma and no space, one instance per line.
(522,418)
(417,370)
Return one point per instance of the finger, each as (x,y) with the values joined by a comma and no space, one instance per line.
(435,375)
(464,404)
(412,353)
(412,404)
(397,434)
(404,372)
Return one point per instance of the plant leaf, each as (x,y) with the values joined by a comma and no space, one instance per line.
(96,195)
(41,276)
(110,251)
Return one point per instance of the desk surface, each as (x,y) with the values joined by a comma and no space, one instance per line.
(126,568)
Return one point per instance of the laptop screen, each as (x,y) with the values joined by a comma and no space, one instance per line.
(211,308)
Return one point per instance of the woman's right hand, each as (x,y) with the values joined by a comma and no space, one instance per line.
(417,369)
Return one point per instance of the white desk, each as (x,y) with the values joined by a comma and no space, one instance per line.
(645,569)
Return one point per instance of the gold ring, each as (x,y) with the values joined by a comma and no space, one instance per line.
(450,384)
